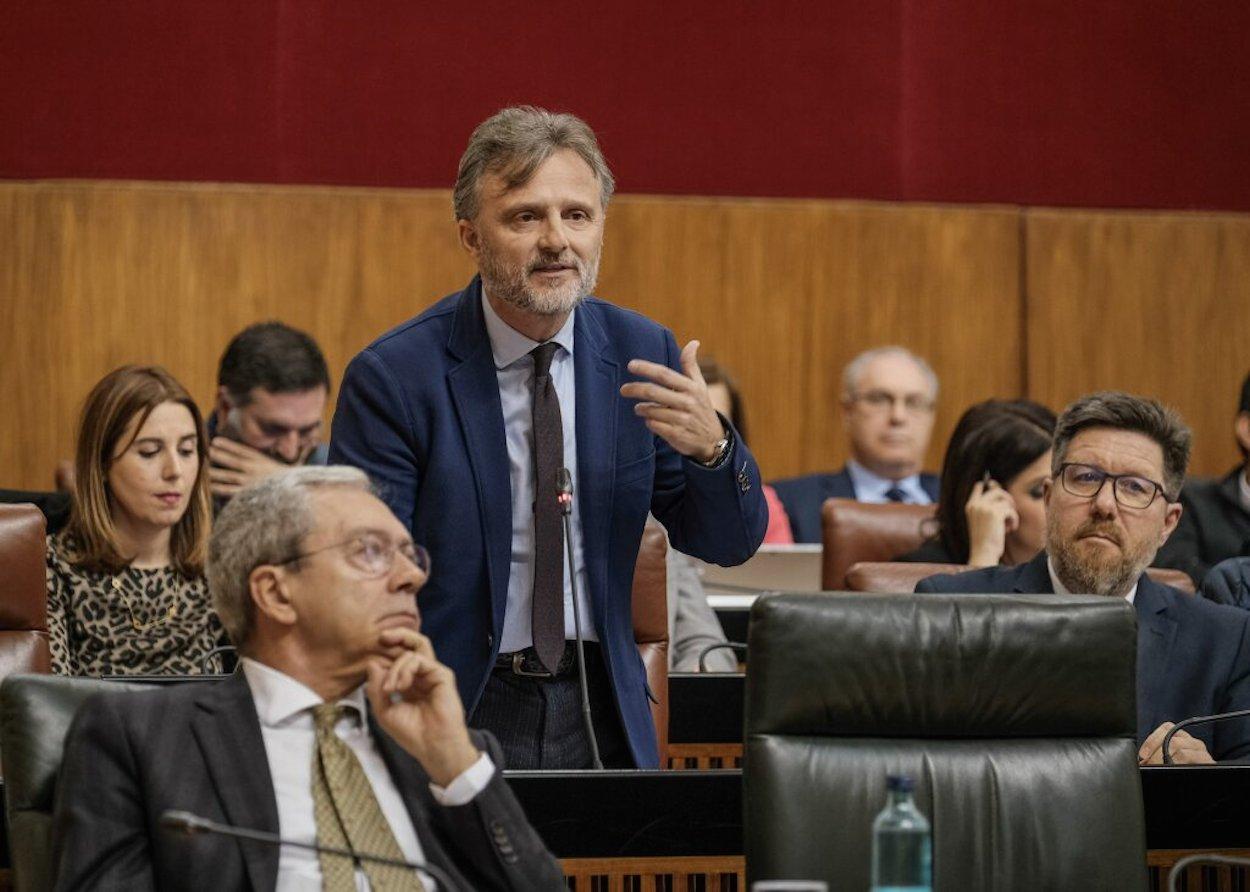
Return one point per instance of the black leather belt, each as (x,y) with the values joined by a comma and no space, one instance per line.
(525,662)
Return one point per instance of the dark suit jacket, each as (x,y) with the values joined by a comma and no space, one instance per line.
(1213,527)
(420,412)
(1193,657)
(1229,583)
(131,755)
(803,498)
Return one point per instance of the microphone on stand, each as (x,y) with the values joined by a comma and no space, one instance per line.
(1197,720)
(190,824)
(564,496)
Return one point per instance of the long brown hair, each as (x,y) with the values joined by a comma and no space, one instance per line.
(121,396)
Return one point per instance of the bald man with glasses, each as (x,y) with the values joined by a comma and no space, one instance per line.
(889,396)
(1118,465)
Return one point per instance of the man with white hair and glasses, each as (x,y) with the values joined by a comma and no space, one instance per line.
(889,396)
(341,728)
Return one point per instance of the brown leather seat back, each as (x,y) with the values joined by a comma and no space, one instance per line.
(894,577)
(900,577)
(650,614)
(855,531)
(23,591)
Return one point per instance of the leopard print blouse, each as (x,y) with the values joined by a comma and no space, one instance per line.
(136,622)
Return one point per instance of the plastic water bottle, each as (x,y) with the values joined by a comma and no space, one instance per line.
(902,849)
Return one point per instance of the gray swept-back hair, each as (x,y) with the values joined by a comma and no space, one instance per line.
(514,143)
(264,524)
(854,369)
(1123,411)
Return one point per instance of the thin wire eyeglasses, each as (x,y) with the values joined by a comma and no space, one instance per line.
(372,554)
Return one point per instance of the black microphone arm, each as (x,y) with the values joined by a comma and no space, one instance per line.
(1197,720)
(190,824)
(564,495)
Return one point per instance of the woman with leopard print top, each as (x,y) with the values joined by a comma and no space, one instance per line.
(126,587)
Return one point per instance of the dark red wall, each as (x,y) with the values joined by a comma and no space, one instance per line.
(1131,103)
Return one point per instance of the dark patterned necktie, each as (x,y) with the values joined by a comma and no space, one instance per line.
(548,602)
(894,494)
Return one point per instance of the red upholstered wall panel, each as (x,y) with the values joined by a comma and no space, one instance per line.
(1129,103)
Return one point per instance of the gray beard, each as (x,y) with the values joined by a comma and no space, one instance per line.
(512,286)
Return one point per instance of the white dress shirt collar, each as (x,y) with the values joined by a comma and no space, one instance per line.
(870,487)
(1061,589)
(280,699)
(507,345)
(1243,487)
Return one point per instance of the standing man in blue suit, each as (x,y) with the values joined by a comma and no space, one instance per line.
(464,414)
(1118,465)
(888,399)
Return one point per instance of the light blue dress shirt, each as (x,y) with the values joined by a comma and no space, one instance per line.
(514,368)
(871,488)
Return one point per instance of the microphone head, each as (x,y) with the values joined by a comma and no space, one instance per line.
(182,821)
(564,481)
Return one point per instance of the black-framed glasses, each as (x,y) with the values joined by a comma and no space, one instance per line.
(1130,490)
(372,554)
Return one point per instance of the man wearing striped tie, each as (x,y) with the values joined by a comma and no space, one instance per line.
(342,728)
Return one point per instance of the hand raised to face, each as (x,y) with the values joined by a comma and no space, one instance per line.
(415,700)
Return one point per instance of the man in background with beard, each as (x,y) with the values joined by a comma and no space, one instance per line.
(1113,499)
(465,415)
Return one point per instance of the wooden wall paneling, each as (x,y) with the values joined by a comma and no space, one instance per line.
(100,274)
(1153,303)
(942,282)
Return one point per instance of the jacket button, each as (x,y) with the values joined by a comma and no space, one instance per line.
(490,641)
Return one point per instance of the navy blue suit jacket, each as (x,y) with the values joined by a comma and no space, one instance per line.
(420,412)
(803,497)
(1193,657)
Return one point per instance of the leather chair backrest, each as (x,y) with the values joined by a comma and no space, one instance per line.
(35,715)
(1014,714)
(896,576)
(650,615)
(23,591)
(855,531)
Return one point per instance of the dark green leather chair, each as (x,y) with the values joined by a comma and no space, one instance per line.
(35,714)
(1015,714)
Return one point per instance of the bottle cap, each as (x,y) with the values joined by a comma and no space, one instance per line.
(900,783)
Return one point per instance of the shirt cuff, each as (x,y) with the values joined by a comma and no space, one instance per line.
(467,785)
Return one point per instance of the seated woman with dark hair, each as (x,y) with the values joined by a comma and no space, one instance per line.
(990,510)
(126,588)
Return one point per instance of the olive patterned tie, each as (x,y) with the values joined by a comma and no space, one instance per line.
(348,814)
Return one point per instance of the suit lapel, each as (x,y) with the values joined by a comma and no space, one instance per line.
(229,736)
(1033,577)
(598,381)
(1156,633)
(411,781)
(475,392)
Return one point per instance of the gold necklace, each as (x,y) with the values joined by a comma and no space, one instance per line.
(134,621)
